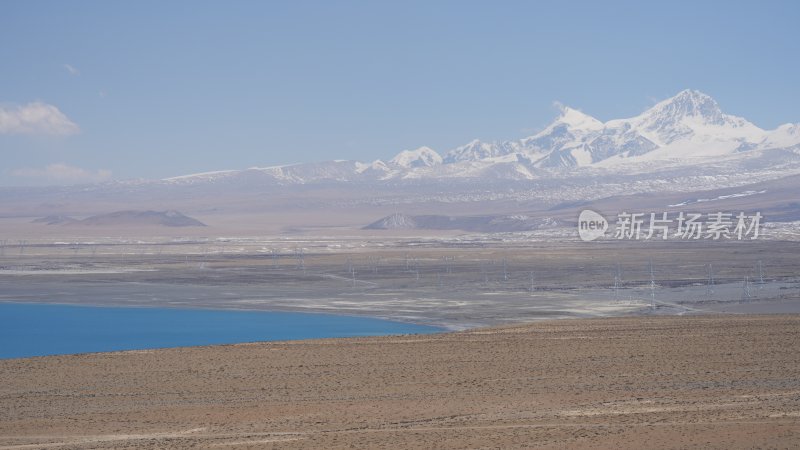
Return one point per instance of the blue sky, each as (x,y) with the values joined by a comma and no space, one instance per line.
(156,89)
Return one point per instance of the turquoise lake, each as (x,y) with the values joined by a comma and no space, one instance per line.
(45,329)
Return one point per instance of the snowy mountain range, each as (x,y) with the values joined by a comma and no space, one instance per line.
(687,130)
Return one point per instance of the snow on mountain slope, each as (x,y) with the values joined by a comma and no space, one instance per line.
(570,127)
(206,176)
(475,150)
(376,170)
(421,157)
(786,135)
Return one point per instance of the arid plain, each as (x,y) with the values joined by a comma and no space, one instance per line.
(658,382)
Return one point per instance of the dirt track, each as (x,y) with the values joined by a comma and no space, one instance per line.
(725,382)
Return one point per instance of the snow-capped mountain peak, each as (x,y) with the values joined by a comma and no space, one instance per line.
(689,115)
(690,103)
(577,119)
(421,157)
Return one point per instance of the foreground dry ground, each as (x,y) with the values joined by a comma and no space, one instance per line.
(647,382)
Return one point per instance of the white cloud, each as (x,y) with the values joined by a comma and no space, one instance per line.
(72,70)
(35,118)
(61,173)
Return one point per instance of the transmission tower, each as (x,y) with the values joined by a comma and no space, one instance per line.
(710,282)
(747,294)
(301,260)
(617,282)
(652,287)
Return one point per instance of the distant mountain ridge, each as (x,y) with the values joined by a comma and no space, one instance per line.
(482,223)
(169,218)
(688,130)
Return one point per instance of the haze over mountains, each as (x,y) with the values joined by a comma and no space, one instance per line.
(682,149)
